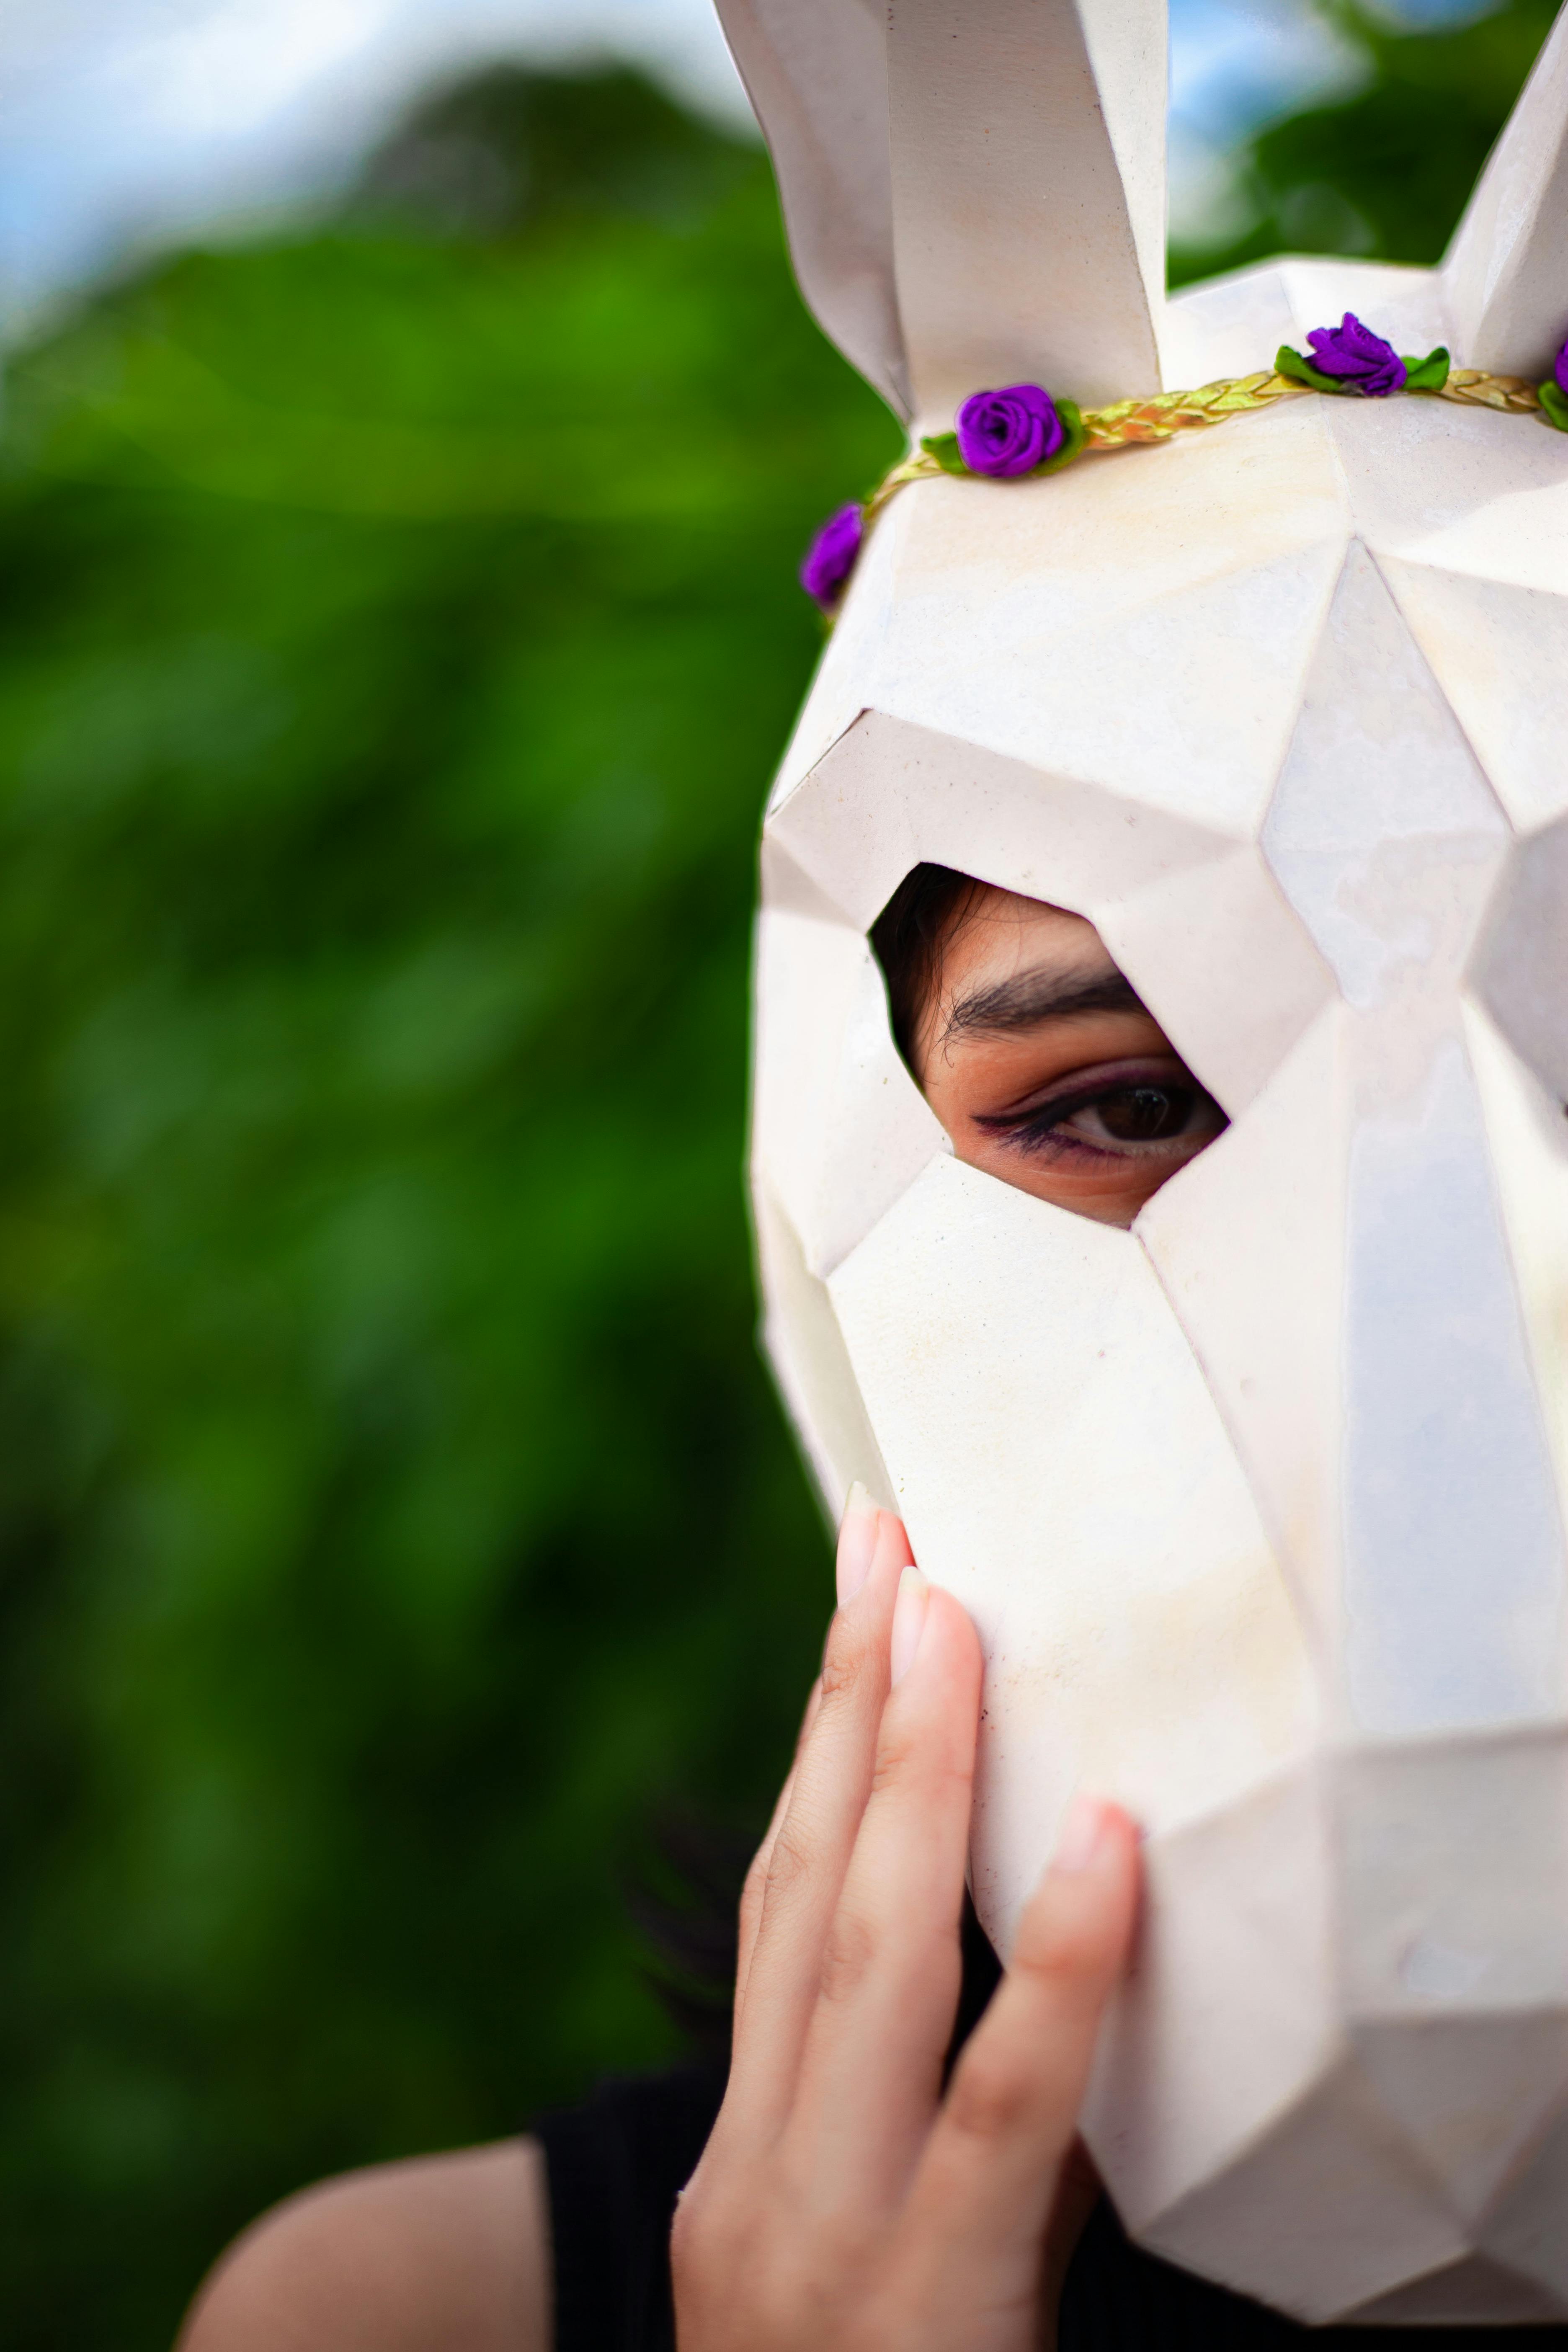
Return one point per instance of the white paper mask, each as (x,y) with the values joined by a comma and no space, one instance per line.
(1258,1507)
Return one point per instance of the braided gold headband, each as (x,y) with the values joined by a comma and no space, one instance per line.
(1022,430)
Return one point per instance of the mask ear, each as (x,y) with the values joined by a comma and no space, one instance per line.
(974,189)
(1506,277)
(817,74)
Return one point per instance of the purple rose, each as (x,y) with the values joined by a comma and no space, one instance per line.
(1353,352)
(830,558)
(1008,432)
(1560,370)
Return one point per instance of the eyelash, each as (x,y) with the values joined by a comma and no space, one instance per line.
(1038,1133)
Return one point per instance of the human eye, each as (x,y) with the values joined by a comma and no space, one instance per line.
(1135,1110)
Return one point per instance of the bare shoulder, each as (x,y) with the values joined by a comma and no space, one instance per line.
(442,2253)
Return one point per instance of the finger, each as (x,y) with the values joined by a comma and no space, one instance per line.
(857,1549)
(811,1850)
(994,2160)
(756,1875)
(856,1542)
(871,2072)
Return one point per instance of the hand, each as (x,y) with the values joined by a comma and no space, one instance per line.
(843,2203)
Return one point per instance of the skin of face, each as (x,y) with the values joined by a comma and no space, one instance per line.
(1046,1071)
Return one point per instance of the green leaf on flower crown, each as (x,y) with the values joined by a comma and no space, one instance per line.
(943,448)
(1076,433)
(1290,363)
(1429,374)
(1554,404)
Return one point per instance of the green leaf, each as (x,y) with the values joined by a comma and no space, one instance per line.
(1290,363)
(943,448)
(1429,374)
(1554,404)
(1076,433)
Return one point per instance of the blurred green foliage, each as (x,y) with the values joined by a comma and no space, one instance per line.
(399,628)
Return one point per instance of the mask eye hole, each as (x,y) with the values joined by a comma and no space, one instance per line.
(1036,1054)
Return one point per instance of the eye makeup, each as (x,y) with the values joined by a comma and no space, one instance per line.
(1140,1107)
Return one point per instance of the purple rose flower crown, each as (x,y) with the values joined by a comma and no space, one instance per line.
(1021,429)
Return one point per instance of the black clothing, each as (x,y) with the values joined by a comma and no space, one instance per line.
(616,2165)
(1116,2298)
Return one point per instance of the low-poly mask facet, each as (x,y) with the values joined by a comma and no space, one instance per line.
(1258,1507)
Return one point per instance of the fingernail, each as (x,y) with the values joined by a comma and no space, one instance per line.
(856,1542)
(1080,1836)
(909,1620)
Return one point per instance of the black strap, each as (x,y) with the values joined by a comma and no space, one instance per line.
(1117,2298)
(616,2166)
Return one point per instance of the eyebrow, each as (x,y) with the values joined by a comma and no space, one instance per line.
(1030,998)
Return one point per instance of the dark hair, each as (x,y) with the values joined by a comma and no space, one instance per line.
(683,1893)
(689,1924)
(907,939)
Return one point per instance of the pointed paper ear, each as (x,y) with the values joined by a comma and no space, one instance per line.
(974,189)
(817,74)
(1506,277)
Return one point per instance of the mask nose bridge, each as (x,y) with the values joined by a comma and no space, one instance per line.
(1446,1777)
(1340,1259)
(1385,836)
(1340,1264)
(1452,1570)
